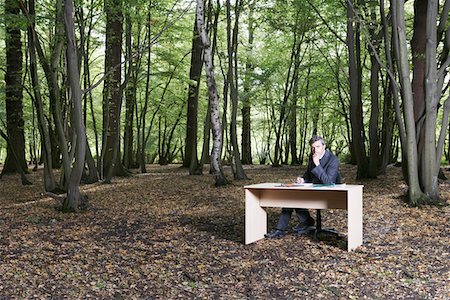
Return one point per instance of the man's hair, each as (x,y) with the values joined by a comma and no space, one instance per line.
(316,138)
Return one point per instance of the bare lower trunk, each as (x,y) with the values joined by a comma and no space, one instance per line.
(415,193)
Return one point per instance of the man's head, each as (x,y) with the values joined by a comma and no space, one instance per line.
(317,145)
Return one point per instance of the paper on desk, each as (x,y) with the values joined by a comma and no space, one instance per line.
(295,184)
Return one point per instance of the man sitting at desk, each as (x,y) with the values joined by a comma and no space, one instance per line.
(323,168)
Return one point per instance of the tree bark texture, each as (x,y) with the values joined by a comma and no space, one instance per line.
(247,89)
(130,99)
(216,165)
(418,48)
(238,170)
(429,174)
(49,179)
(74,199)
(414,192)
(191,156)
(356,116)
(13,90)
(374,143)
(112,85)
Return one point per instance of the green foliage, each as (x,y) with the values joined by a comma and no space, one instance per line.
(319,26)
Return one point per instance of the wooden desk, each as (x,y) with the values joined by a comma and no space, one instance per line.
(341,196)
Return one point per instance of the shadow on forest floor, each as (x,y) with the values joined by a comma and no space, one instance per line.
(168,235)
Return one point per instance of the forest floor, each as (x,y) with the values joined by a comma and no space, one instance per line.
(168,235)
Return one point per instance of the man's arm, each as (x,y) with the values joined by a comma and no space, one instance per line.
(332,170)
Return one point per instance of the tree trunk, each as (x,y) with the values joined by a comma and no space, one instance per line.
(418,48)
(74,200)
(15,159)
(238,170)
(49,179)
(246,99)
(415,193)
(216,166)
(13,91)
(191,157)
(390,94)
(374,151)
(432,95)
(130,99)
(142,155)
(356,116)
(206,152)
(110,153)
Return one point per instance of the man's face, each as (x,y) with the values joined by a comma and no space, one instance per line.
(317,148)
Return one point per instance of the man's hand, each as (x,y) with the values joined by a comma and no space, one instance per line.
(300,180)
(316,159)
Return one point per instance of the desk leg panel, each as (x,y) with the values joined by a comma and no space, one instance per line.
(355,218)
(255,217)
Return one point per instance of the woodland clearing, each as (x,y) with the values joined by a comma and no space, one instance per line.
(168,235)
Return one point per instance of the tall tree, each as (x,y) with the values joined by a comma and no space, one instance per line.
(216,166)
(418,48)
(355,77)
(374,142)
(423,167)
(247,86)
(74,200)
(414,192)
(112,92)
(49,180)
(13,90)
(232,80)
(191,156)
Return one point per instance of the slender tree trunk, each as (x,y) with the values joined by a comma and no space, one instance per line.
(55,92)
(432,95)
(49,179)
(293,124)
(142,160)
(129,99)
(15,122)
(238,170)
(415,193)
(75,200)
(110,154)
(246,99)
(216,166)
(418,47)
(191,158)
(389,95)
(213,24)
(356,116)
(374,95)
(142,155)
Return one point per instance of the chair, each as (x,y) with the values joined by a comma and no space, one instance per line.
(319,228)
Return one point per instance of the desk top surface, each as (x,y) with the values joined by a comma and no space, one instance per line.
(307,186)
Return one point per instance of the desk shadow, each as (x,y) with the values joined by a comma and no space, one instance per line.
(339,242)
(223,227)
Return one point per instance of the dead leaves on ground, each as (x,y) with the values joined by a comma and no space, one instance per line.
(168,235)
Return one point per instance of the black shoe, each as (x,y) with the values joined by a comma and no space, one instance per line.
(305,227)
(276,233)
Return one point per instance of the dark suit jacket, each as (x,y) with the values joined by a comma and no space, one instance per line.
(327,172)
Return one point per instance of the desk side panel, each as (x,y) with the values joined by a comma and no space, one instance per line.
(355,218)
(255,217)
